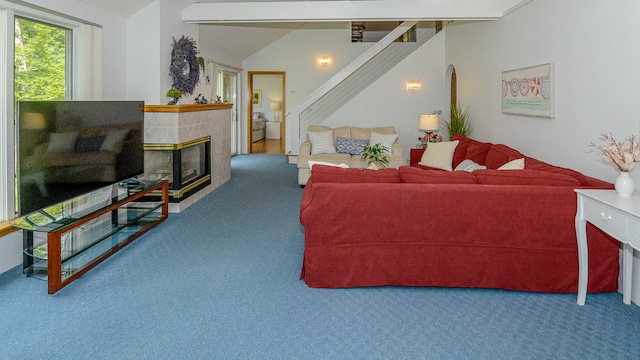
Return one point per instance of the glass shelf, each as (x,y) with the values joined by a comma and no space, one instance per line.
(68,213)
(81,259)
(88,234)
(84,231)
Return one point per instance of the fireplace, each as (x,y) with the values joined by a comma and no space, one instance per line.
(187,166)
(206,129)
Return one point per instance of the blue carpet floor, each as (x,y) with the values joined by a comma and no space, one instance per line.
(220,281)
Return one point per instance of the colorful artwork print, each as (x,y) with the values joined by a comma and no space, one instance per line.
(529,91)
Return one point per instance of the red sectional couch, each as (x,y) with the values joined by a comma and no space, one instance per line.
(504,229)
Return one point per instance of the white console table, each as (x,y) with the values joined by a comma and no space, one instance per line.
(618,216)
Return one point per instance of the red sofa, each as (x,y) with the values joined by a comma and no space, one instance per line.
(503,229)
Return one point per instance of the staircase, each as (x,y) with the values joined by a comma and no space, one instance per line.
(358,75)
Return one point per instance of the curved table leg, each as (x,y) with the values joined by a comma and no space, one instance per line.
(583,259)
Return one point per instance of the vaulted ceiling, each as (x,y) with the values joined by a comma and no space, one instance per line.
(322,10)
(242,27)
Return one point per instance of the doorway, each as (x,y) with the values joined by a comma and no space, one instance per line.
(454,89)
(228,85)
(266,112)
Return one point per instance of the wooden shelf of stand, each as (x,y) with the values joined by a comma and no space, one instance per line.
(64,241)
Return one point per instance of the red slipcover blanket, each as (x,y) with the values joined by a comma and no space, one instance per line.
(385,227)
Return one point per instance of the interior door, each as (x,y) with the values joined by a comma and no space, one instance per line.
(268,97)
(228,85)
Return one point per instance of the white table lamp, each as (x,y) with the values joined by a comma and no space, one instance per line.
(275,106)
(429,124)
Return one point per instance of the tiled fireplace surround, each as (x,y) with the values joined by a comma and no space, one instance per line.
(177,124)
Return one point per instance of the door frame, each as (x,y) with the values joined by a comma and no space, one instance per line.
(236,104)
(283,126)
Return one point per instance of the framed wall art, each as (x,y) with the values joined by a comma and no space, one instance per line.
(529,91)
(257,98)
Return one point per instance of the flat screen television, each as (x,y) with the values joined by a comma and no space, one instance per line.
(69,148)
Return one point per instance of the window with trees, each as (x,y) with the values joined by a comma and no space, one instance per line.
(55,57)
(41,60)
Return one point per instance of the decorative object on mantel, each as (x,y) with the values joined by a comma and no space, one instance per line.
(529,91)
(185,65)
(200,100)
(624,155)
(218,100)
(375,156)
(459,123)
(174,94)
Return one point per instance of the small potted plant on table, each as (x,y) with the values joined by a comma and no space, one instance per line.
(375,156)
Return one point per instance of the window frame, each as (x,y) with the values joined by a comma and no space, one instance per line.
(83,51)
(68,48)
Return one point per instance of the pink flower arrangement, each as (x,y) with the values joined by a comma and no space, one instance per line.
(624,155)
(427,138)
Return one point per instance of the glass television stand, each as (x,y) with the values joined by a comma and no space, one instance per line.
(64,241)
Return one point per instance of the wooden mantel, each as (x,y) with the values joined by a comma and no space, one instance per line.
(185,108)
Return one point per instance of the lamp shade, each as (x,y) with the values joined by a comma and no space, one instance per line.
(275,105)
(429,123)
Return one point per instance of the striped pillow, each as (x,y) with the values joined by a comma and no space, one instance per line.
(469,165)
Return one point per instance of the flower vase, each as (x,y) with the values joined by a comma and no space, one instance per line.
(624,184)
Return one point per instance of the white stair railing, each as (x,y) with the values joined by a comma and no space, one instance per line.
(351,80)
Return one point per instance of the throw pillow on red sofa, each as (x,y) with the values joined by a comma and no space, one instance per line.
(523,177)
(332,174)
(469,149)
(499,155)
(415,175)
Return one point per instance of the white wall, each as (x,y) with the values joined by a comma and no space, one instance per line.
(149,43)
(10,251)
(143,48)
(297,55)
(387,102)
(271,87)
(593,45)
(172,26)
(210,37)
(596,67)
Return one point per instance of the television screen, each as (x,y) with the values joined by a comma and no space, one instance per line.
(68,148)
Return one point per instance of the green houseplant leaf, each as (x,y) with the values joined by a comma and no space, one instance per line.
(174,93)
(459,123)
(375,154)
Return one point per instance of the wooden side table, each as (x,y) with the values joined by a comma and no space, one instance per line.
(619,217)
(415,155)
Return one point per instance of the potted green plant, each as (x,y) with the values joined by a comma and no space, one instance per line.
(174,94)
(375,156)
(459,123)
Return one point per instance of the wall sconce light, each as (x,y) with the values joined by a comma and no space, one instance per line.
(414,85)
(324,61)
